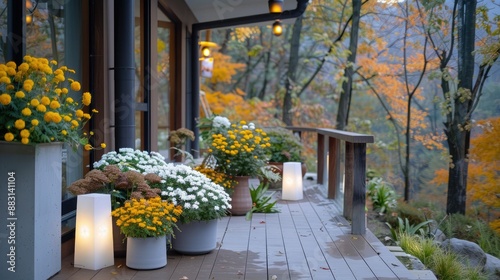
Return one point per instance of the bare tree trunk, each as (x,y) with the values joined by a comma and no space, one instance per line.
(345,97)
(458,131)
(293,64)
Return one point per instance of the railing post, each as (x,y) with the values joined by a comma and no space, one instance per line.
(321,158)
(349,180)
(333,167)
(359,194)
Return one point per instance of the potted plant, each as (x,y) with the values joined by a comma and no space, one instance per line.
(238,150)
(202,200)
(285,147)
(41,107)
(203,203)
(146,223)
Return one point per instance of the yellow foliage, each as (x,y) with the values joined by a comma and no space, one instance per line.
(224,69)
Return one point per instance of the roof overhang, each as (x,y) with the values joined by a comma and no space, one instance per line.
(206,11)
(229,13)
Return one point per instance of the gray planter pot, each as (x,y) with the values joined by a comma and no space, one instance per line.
(195,238)
(30,238)
(146,253)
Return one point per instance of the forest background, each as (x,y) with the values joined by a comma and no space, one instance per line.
(421,76)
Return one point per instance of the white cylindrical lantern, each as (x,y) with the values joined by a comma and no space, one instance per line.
(292,181)
(94,232)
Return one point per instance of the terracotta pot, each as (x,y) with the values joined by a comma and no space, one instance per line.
(241,200)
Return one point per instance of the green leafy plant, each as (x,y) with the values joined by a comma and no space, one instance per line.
(284,145)
(381,194)
(262,203)
(407,228)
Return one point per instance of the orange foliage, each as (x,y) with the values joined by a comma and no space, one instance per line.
(224,69)
(484,165)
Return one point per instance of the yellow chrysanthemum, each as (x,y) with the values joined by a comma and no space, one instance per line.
(23,67)
(26,112)
(5,80)
(75,86)
(79,113)
(64,132)
(86,98)
(54,104)
(45,100)
(103,145)
(8,137)
(67,118)
(88,147)
(41,108)
(34,102)
(69,100)
(19,124)
(25,133)
(5,99)
(34,122)
(64,90)
(20,94)
(25,141)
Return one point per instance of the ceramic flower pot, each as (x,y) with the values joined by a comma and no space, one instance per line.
(241,200)
(146,253)
(195,238)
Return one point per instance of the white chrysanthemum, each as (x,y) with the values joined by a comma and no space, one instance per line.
(221,122)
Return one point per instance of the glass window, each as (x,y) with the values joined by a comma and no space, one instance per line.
(53,31)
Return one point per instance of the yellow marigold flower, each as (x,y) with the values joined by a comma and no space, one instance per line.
(64,90)
(56,118)
(59,78)
(25,133)
(23,67)
(19,94)
(27,86)
(103,145)
(142,225)
(34,122)
(19,124)
(75,86)
(25,141)
(41,108)
(87,147)
(47,117)
(64,132)
(86,98)
(11,64)
(26,112)
(5,80)
(53,62)
(54,104)
(11,71)
(5,99)
(58,91)
(69,100)
(45,100)
(67,118)
(34,102)
(8,137)
(87,116)
(10,87)
(79,113)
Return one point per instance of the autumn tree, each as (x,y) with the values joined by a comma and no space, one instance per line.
(462,81)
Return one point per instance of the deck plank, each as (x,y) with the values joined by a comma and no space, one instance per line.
(308,239)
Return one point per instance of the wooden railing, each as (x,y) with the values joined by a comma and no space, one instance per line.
(330,143)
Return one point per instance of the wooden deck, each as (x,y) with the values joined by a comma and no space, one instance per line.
(307,240)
